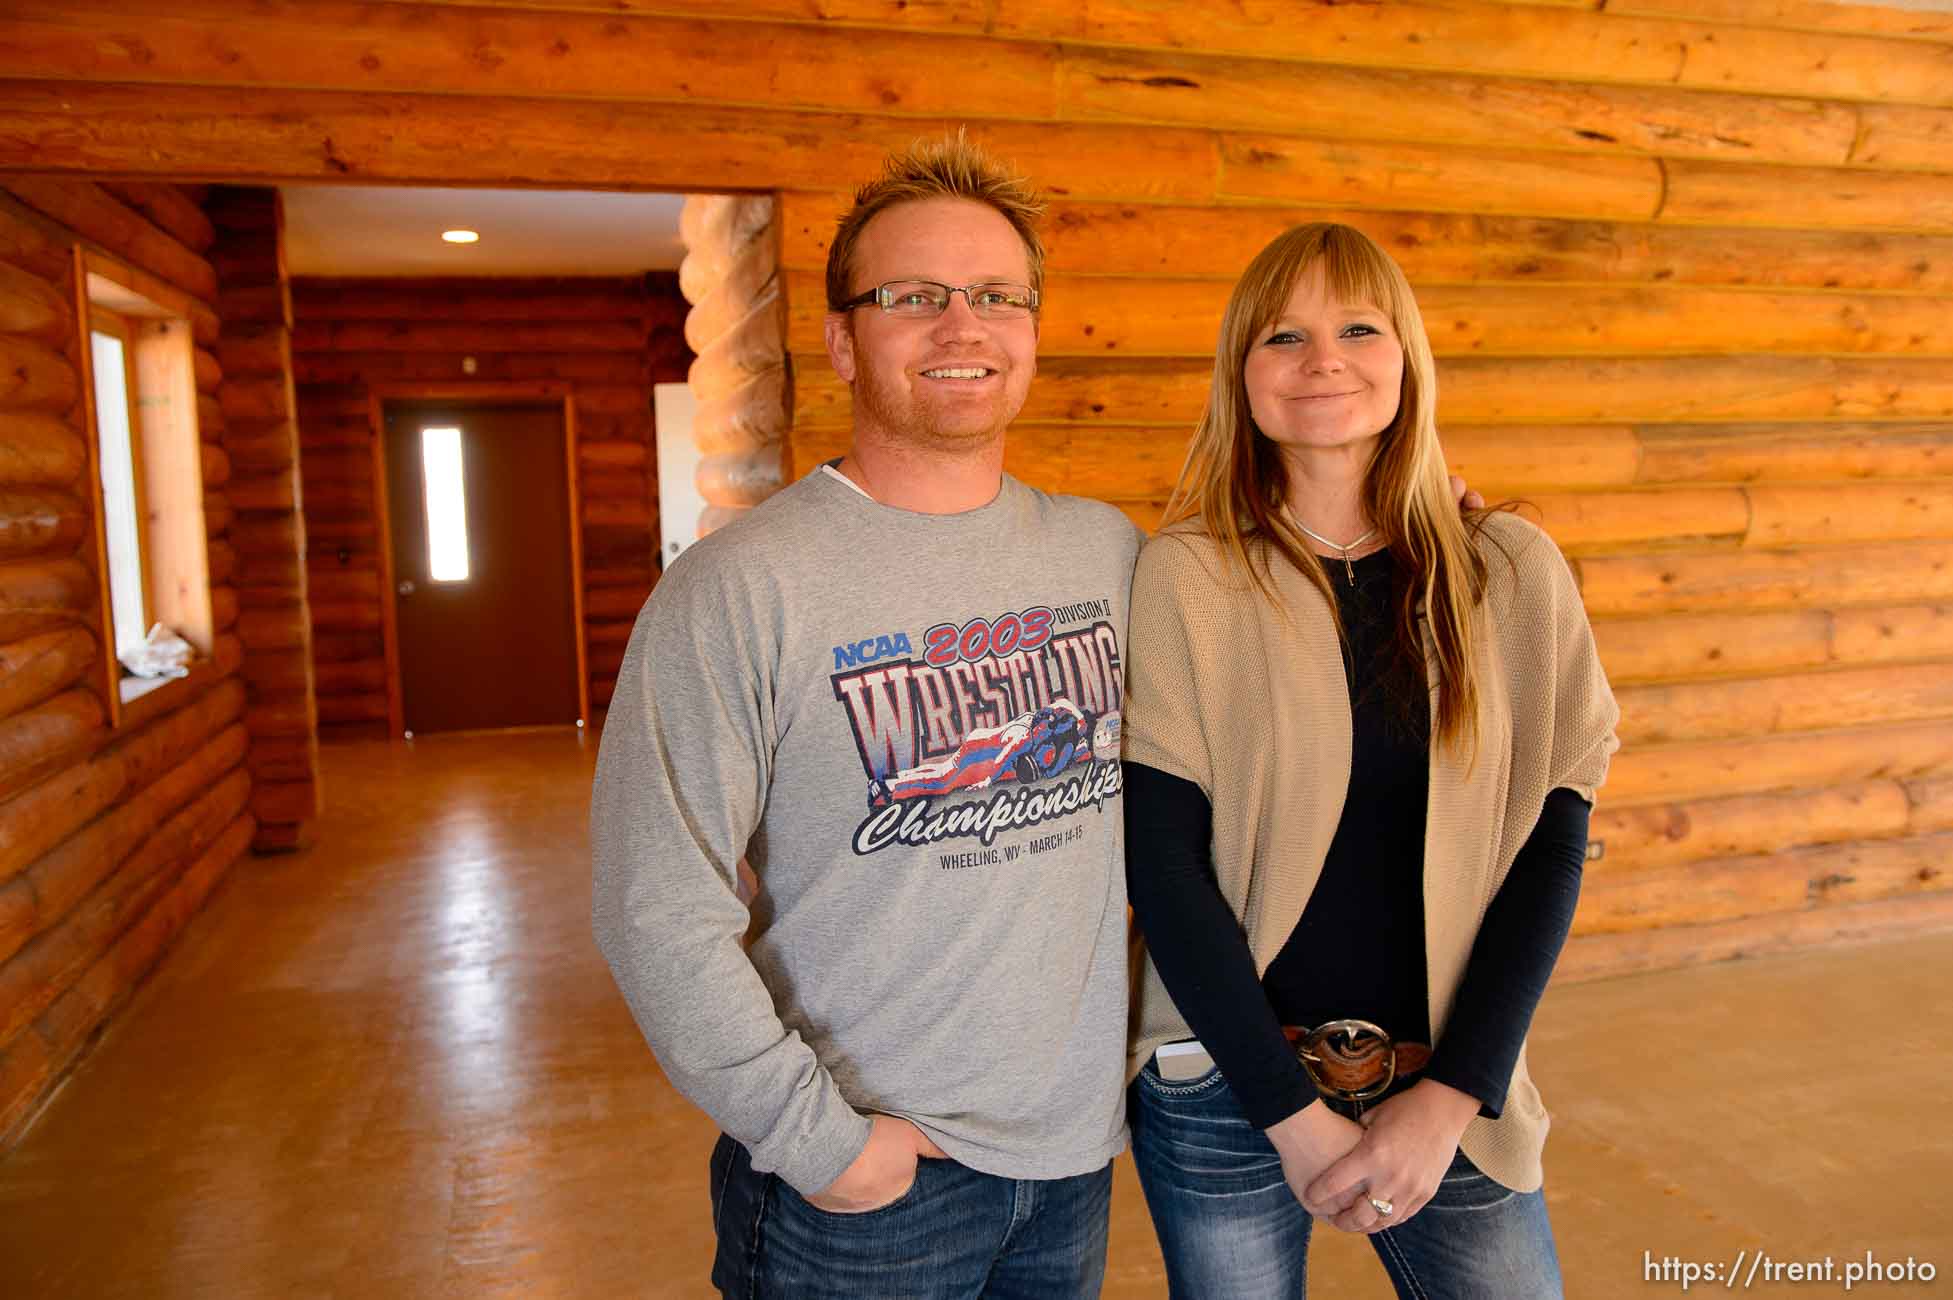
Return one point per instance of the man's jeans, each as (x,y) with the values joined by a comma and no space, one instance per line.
(956,1234)
(1229,1225)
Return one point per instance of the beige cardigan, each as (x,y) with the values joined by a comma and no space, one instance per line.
(1249,702)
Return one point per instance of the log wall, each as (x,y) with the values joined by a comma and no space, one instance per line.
(109,839)
(608,338)
(1688,268)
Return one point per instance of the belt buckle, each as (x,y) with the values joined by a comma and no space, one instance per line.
(1361,1037)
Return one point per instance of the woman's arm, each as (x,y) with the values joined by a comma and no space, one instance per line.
(1199,947)
(1520,939)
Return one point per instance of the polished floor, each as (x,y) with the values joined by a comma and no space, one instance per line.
(394,1065)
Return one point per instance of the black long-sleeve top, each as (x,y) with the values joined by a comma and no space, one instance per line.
(1358,950)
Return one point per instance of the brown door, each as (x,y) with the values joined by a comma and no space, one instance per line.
(496,646)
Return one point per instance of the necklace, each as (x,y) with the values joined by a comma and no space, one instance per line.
(1348,567)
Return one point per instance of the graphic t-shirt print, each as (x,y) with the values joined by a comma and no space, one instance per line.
(1000,722)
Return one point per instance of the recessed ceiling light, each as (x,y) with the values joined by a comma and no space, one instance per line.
(460,236)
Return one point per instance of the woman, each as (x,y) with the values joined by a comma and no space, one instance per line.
(1362,737)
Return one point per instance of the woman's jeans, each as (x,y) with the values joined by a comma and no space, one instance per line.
(1230,1227)
(956,1235)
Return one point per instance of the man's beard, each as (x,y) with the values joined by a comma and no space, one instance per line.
(889,408)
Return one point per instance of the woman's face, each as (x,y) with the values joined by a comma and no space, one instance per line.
(1324,374)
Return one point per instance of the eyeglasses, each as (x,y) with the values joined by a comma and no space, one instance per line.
(993,299)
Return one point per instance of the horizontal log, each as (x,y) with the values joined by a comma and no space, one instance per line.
(1133,239)
(344,647)
(40,521)
(1691,390)
(1475,390)
(467,337)
(263,452)
(623,367)
(571,298)
(616,513)
(214,463)
(601,691)
(223,608)
(36,820)
(1743,453)
(1898,136)
(33,243)
(1287,169)
(36,740)
(36,667)
(39,450)
(1652,835)
(608,482)
(609,632)
(339,467)
(256,399)
(1156,316)
(1685,646)
(283,758)
(341,709)
(1704,581)
(1854,198)
(1470,112)
(1803,16)
(344,615)
(612,603)
(170,208)
(218,514)
(355,677)
(39,596)
(1845,697)
(1728,888)
(288,670)
(1785,761)
(279,802)
(209,373)
(250,351)
(265,303)
(34,377)
(287,837)
(1849,512)
(97,852)
(1668,517)
(282,713)
(336,584)
(1605,955)
(243,134)
(1575,44)
(71,1023)
(277,535)
(639,573)
(36,978)
(611,455)
(1932,804)
(34,307)
(221,558)
(565,54)
(91,211)
(263,491)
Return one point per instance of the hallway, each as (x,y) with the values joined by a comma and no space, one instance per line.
(394,1065)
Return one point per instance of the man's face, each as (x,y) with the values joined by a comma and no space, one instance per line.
(948,382)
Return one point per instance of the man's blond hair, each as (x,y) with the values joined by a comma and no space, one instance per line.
(950,168)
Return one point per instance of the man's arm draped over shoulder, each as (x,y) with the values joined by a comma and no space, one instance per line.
(682,776)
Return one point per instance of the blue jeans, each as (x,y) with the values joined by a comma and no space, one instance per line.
(956,1233)
(1229,1225)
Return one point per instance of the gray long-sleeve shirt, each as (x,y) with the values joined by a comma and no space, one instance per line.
(908,723)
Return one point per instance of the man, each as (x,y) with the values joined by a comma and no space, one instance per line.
(919,1063)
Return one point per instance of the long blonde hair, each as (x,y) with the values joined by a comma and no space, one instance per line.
(1235,482)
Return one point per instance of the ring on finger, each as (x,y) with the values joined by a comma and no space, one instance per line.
(1382,1206)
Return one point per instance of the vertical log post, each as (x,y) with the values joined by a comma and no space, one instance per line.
(737,327)
(261,429)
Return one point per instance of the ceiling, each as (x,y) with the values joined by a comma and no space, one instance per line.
(383,230)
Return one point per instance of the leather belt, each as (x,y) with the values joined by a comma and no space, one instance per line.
(1354,1060)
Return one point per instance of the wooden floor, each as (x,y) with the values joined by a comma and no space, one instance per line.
(394,1065)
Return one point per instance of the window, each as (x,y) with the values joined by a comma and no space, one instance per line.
(447,504)
(145,458)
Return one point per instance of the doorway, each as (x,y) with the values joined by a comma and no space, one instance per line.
(486,626)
